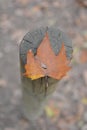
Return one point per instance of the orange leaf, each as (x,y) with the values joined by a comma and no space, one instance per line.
(33,69)
(46,63)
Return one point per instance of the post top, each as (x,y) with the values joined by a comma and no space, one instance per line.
(33,39)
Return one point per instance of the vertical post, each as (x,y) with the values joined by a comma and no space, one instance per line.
(34,97)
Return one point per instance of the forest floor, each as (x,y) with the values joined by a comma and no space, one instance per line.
(68,105)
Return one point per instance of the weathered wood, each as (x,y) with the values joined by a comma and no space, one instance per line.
(34,96)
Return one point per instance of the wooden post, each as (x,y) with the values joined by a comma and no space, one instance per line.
(34,97)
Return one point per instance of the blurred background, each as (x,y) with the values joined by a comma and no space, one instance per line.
(67,108)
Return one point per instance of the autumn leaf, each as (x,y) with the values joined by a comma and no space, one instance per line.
(83,55)
(45,62)
(84,100)
(33,69)
(49,111)
(52,111)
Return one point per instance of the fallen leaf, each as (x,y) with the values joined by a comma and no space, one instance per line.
(33,69)
(45,62)
(83,56)
(49,111)
(84,101)
(52,111)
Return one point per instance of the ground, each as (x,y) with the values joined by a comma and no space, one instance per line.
(68,105)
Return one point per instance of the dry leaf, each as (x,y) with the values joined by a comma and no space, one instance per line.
(52,111)
(49,111)
(83,56)
(84,100)
(45,62)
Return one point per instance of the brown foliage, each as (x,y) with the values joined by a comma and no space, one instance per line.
(45,62)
